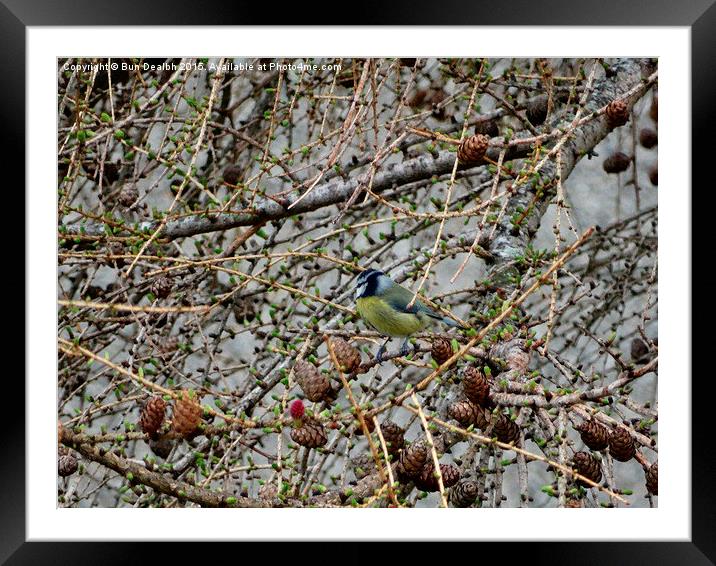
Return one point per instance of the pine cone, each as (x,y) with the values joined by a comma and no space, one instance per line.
(648,138)
(488,128)
(310,434)
(654,176)
(473,149)
(617,113)
(464,493)
(621,445)
(232,174)
(244,310)
(652,479)
(616,162)
(639,350)
(594,435)
(413,458)
(654,109)
(514,352)
(347,356)
(506,430)
(537,110)
(588,466)
(162,446)
(476,386)
(187,414)
(66,465)
(128,195)
(297,409)
(428,481)
(162,287)
(441,350)
(393,436)
(314,384)
(152,416)
(467,413)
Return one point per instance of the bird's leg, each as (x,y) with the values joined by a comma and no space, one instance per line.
(381,350)
(405,347)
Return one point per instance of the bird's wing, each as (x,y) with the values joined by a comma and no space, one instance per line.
(399,298)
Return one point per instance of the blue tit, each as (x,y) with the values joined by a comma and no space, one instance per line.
(383,304)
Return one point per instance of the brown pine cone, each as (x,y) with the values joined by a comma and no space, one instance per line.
(476,386)
(441,350)
(310,434)
(654,176)
(648,138)
(617,113)
(537,110)
(187,414)
(162,287)
(621,445)
(128,195)
(473,149)
(347,356)
(639,350)
(652,479)
(428,481)
(162,446)
(506,430)
(616,163)
(467,413)
(594,435)
(244,310)
(413,459)
(464,493)
(152,416)
(232,174)
(66,465)
(393,436)
(654,109)
(488,128)
(588,466)
(314,384)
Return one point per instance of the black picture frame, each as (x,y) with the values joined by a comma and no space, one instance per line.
(700,16)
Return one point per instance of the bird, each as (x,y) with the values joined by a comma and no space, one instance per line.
(383,304)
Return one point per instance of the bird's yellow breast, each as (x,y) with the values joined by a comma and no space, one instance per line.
(385,319)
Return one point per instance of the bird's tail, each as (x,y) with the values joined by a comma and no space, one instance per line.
(454,323)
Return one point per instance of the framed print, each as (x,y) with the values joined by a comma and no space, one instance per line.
(293,280)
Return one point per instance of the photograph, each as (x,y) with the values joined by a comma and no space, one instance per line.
(357,282)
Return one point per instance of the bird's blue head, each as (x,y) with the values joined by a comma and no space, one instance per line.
(371,282)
